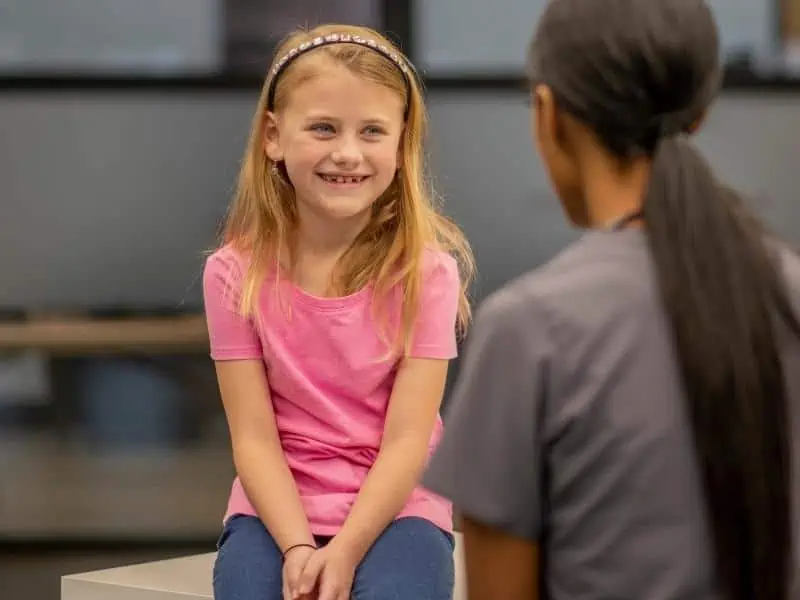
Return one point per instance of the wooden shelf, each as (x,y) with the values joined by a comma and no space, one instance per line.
(86,336)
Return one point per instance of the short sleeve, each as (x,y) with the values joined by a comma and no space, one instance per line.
(489,460)
(434,333)
(231,336)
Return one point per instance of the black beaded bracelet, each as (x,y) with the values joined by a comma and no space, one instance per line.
(290,548)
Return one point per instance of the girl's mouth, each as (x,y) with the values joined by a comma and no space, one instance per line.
(349,180)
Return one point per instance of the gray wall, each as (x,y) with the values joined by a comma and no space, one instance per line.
(495,186)
(108,198)
(111,199)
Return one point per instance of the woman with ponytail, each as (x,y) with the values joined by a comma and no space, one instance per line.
(625,424)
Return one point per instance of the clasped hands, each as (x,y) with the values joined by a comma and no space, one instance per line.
(318,574)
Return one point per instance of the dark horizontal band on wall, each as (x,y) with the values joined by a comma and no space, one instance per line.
(735,79)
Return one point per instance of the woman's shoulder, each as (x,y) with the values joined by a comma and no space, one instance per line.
(596,281)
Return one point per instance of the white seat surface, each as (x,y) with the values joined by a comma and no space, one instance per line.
(187,578)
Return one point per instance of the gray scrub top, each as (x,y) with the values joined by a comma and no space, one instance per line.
(567,427)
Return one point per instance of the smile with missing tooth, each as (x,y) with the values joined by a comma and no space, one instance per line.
(343,178)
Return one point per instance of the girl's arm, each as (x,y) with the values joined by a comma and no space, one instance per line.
(412,411)
(257,453)
(413,408)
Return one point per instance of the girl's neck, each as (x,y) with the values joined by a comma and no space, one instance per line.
(325,238)
(316,251)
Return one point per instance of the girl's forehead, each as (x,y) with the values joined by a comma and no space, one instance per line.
(336,89)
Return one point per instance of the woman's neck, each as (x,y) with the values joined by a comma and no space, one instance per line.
(613,196)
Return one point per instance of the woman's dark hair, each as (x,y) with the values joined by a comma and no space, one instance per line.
(641,74)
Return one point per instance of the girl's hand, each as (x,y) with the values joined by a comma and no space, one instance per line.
(329,572)
(294,564)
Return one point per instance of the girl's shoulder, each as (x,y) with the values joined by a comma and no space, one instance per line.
(436,261)
(229,258)
(230,263)
(439,267)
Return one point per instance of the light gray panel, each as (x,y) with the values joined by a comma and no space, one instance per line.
(466,37)
(473,36)
(116,35)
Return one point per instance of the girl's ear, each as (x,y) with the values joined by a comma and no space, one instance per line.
(272,146)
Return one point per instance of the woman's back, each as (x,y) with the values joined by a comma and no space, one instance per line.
(622,512)
(628,512)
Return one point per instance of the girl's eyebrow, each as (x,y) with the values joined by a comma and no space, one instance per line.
(320,117)
(326,117)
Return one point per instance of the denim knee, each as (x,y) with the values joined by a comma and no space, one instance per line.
(411,560)
(249,562)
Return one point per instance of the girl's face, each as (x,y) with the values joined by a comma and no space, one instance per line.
(339,138)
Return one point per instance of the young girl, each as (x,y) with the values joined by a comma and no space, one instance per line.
(626,424)
(333,308)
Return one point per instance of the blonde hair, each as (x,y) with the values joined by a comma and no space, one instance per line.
(405,219)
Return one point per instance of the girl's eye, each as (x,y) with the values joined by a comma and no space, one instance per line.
(374,130)
(322,128)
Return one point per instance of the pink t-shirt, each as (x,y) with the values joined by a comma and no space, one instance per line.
(329,379)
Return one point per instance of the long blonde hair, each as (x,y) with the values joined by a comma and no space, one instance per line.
(405,221)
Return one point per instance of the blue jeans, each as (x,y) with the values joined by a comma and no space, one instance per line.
(411,560)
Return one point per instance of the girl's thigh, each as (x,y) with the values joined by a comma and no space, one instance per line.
(411,560)
(248,564)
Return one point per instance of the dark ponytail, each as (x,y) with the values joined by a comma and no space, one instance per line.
(725,299)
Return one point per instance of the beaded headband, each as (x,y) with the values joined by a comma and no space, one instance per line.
(335,38)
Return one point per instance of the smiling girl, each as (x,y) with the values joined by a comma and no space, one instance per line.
(333,308)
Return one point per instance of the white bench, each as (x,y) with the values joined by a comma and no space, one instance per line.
(176,579)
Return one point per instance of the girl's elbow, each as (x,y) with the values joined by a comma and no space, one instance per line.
(254,449)
(411,446)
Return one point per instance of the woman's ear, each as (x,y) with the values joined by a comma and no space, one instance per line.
(546,113)
(272,146)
